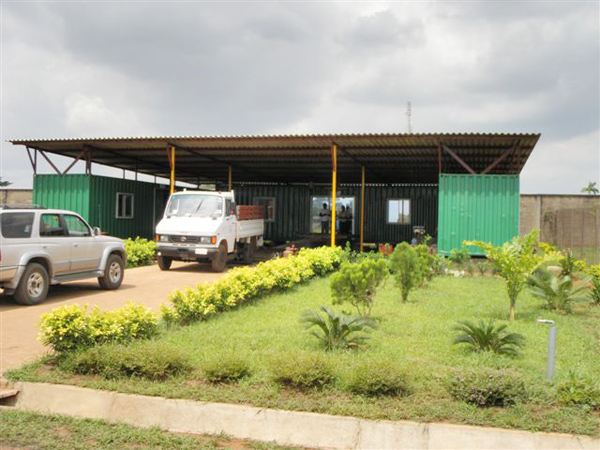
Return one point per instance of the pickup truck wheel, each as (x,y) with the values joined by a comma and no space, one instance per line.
(113,274)
(164,262)
(219,260)
(33,286)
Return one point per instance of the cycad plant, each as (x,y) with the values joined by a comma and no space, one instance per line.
(338,330)
(488,337)
(557,291)
(594,294)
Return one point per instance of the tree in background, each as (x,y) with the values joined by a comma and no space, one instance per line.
(517,260)
(591,188)
(4,183)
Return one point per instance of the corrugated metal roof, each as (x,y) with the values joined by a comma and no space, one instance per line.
(388,158)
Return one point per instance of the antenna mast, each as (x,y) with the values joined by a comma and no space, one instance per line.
(408,117)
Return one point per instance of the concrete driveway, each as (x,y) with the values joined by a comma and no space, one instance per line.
(147,285)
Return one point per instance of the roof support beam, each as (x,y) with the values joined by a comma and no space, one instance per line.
(81,154)
(50,162)
(459,160)
(500,159)
(32,160)
(88,159)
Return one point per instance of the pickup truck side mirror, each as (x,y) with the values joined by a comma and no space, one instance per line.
(96,231)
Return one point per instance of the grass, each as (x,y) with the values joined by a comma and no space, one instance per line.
(19,429)
(415,336)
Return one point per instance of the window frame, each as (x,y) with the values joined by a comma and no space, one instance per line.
(125,195)
(31,225)
(63,226)
(387,210)
(89,229)
(255,199)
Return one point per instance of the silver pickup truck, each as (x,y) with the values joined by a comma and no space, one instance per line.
(40,247)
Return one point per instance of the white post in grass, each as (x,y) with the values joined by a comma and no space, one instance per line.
(551,348)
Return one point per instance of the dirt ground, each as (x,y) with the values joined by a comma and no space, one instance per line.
(148,285)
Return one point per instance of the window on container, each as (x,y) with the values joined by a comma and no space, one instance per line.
(124,205)
(398,211)
(16,225)
(268,204)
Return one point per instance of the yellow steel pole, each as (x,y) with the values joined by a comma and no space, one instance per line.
(333,190)
(362,208)
(172,163)
(230,183)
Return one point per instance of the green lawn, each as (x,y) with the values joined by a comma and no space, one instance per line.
(416,336)
(19,429)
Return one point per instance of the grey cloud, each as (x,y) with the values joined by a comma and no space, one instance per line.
(382,31)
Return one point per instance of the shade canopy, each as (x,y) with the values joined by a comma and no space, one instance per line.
(387,158)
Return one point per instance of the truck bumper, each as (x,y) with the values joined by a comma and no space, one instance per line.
(185,253)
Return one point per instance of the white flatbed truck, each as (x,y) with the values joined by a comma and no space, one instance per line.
(207,225)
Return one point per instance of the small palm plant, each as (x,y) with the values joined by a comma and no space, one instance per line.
(557,291)
(338,330)
(594,294)
(488,337)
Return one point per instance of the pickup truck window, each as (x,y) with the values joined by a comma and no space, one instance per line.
(50,225)
(76,226)
(17,225)
(194,205)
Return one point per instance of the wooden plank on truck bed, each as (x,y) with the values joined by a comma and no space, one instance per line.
(250,212)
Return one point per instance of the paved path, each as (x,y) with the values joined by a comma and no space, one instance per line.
(147,285)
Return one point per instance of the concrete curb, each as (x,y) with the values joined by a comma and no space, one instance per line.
(283,427)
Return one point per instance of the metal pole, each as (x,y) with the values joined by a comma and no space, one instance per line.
(551,349)
(551,353)
(333,190)
(172,163)
(362,208)
(230,179)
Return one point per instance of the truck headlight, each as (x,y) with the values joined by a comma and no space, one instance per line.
(163,238)
(205,239)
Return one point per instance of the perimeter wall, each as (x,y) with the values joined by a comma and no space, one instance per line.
(567,221)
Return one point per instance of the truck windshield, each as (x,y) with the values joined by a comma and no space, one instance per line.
(194,205)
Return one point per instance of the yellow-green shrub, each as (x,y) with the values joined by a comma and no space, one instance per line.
(140,251)
(70,327)
(242,284)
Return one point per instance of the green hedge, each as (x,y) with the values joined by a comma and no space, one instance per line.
(140,251)
(242,284)
(70,327)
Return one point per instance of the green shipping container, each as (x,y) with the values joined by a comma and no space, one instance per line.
(477,207)
(95,198)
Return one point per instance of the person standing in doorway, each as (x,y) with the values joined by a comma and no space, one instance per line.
(325,216)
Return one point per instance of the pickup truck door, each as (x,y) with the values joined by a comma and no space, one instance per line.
(86,251)
(229,225)
(54,240)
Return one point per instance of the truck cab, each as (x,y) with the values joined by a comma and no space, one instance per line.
(207,225)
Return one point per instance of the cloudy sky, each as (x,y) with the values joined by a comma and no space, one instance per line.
(139,68)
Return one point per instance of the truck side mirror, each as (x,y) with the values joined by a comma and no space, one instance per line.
(96,231)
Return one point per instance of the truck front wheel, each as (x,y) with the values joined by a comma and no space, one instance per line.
(164,262)
(219,260)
